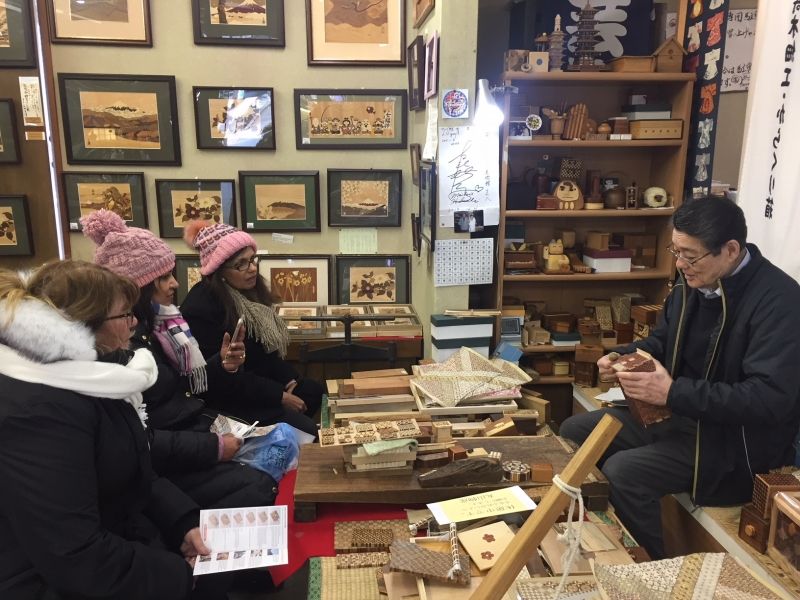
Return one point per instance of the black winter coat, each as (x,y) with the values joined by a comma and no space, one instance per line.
(748,405)
(81,509)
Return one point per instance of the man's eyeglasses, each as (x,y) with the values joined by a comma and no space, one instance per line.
(127,315)
(243,265)
(689,261)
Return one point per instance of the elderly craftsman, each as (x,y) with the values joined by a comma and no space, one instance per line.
(726,365)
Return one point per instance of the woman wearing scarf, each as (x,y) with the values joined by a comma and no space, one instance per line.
(269,389)
(82,513)
(196,460)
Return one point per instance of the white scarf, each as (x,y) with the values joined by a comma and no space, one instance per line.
(90,378)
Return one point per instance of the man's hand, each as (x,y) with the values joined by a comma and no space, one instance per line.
(193,546)
(230,446)
(232,351)
(292,402)
(652,388)
(604,367)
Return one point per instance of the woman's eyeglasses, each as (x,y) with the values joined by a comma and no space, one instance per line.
(127,315)
(689,261)
(244,265)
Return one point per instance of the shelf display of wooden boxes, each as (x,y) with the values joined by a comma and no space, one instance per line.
(633,162)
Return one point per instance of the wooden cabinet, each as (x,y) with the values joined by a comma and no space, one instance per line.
(647,162)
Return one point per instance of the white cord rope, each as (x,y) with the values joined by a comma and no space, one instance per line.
(571,535)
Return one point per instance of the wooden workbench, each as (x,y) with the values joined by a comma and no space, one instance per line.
(318,482)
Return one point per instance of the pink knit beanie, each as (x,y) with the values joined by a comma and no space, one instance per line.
(128,251)
(216,243)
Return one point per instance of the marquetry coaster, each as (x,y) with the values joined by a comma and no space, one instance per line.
(516,471)
(410,558)
(543,588)
(362,536)
(485,544)
(359,560)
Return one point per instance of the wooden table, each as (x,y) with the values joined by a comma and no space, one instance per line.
(318,482)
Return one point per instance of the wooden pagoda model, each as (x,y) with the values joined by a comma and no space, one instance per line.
(585,53)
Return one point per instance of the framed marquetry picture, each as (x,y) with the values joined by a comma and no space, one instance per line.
(373,279)
(415,61)
(122,193)
(415,154)
(364,197)
(431,83)
(427,202)
(298,279)
(9,140)
(280,200)
(187,272)
(239,22)
(356,33)
(350,119)
(120,119)
(183,200)
(16,236)
(111,22)
(17,49)
(234,118)
(422,8)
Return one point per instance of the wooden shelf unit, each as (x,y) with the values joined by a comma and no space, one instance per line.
(647,162)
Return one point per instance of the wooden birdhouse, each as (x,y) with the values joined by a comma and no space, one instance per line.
(669,56)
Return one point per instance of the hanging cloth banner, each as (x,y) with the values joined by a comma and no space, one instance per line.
(769,178)
(705,46)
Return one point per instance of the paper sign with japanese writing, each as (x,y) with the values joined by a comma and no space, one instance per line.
(741,35)
(32,114)
(479,506)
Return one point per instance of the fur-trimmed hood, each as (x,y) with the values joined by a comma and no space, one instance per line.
(44,334)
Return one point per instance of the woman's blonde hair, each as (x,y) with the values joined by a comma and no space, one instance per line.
(83,291)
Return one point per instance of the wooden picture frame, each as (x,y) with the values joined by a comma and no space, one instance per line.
(122,193)
(187,273)
(431,84)
(341,32)
(415,61)
(415,154)
(182,200)
(350,119)
(286,201)
(17,50)
(298,279)
(292,316)
(364,197)
(102,23)
(242,28)
(422,8)
(427,202)
(234,118)
(16,235)
(144,130)
(9,139)
(382,279)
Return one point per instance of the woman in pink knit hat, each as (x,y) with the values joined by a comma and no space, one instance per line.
(232,288)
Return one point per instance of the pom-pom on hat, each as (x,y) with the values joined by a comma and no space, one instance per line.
(128,251)
(216,242)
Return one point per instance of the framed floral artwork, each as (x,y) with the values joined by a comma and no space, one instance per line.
(120,119)
(364,197)
(183,200)
(234,118)
(356,33)
(187,272)
(350,119)
(373,279)
(431,83)
(110,22)
(16,35)
(427,202)
(16,237)
(122,193)
(415,61)
(9,141)
(280,200)
(239,22)
(298,279)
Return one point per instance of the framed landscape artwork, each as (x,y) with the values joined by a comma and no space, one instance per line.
(280,200)
(187,272)
(120,119)
(234,118)
(427,202)
(122,193)
(364,197)
(358,33)
(431,83)
(373,279)
(350,119)
(112,22)
(16,238)
(293,314)
(415,59)
(404,313)
(183,200)
(298,279)
(9,141)
(422,8)
(239,22)
(16,35)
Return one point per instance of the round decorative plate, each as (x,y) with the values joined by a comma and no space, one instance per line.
(533,122)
